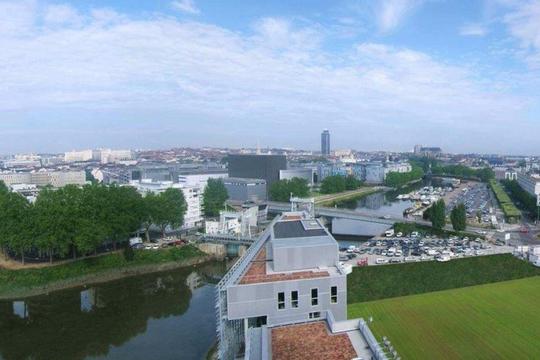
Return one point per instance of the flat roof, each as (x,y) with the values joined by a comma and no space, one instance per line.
(256,272)
(311,341)
(297,229)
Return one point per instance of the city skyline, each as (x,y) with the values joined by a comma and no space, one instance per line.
(162,74)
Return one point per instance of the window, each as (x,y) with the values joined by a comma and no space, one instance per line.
(333,294)
(315,315)
(281,301)
(314,297)
(294,299)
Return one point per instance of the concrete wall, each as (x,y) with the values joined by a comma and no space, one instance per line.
(304,257)
(254,300)
(218,250)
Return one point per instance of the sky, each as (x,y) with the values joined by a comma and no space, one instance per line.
(380,75)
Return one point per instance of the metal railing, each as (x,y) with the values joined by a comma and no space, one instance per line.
(376,349)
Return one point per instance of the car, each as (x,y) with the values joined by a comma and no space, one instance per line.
(381,261)
(138,246)
(395,260)
(399,234)
(414,234)
(384,253)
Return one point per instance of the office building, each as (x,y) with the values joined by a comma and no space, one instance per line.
(241,189)
(200,179)
(264,167)
(42,178)
(529,183)
(325,142)
(288,286)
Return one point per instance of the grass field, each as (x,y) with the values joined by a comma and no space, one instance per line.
(386,281)
(492,321)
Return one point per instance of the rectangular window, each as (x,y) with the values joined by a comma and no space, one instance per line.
(315,315)
(294,299)
(281,300)
(314,297)
(333,294)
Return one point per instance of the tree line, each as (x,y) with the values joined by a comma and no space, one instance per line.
(339,183)
(281,190)
(79,220)
(397,179)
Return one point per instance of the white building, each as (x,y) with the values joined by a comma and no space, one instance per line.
(45,177)
(200,180)
(529,183)
(192,194)
(78,156)
(113,156)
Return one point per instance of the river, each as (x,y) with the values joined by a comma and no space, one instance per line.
(167,315)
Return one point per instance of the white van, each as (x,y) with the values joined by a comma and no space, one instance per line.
(389,233)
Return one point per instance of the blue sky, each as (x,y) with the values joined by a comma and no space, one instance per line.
(463,75)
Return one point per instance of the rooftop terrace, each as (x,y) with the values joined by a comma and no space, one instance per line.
(311,341)
(257,272)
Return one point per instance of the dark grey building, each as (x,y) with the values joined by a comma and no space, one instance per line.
(241,189)
(325,142)
(264,167)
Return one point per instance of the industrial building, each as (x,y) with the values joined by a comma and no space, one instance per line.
(289,291)
(266,167)
(241,189)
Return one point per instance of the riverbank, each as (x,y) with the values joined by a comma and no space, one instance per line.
(30,282)
(331,199)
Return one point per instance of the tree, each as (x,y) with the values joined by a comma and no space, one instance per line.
(333,184)
(214,197)
(396,179)
(352,183)
(171,209)
(3,188)
(437,214)
(458,217)
(150,210)
(125,212)
(17,223)
(281,190)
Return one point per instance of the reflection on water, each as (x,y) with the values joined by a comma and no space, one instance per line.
(165,315)
(383,203)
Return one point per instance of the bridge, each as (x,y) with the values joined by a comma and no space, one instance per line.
(226,239)
(361,216)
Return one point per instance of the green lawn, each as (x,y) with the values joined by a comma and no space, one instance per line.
(386,281)
(19,280)
(492,321)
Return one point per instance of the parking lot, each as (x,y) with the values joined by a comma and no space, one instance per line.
(477,200)
(417,247)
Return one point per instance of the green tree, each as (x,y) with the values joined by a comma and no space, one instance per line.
(17,223)
(171,210)
(3,188)
(150,212)
(437,214)
(125,212)
(214,197)
(352,183)
(395,179)
(281,190)
(333,184)
(458,217)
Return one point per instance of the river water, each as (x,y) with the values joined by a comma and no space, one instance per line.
(167,315)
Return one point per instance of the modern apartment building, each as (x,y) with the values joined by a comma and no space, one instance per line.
(192,194)
(288,285)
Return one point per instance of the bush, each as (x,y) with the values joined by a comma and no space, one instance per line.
(129,254)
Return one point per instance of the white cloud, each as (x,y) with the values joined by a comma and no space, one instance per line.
(61,14)
(187,6)
(392,12)
(278,76)
(523,22)
(473,30)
